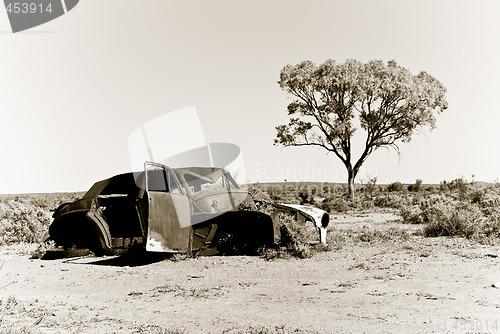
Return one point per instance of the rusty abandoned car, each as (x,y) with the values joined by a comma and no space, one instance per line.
(175,210)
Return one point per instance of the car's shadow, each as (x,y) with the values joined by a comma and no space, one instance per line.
(129,259)
(135,259)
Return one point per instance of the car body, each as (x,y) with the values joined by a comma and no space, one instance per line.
(162,210)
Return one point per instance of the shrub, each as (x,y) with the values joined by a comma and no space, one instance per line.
(462,209)
(26,218)
(305,197)
(370,186)
(369,234)
(411,214)
(22,222)
(459,220)
(364,203)
(295,241)
(258,193)
(491,227)
(416,186)
(458,187)
(335,204)
(487,199)
(264,207)
(338,203)
(294,237)
(395,186)
(394,201)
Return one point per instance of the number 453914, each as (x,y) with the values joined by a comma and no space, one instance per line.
(25,8)
(473,326)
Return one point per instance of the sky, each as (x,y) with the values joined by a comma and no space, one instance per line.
(74,89)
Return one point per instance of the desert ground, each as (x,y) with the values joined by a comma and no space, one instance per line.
(392,285)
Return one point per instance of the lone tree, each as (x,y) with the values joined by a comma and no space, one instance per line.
(387,101)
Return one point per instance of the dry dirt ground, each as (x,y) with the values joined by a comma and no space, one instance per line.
(439,285)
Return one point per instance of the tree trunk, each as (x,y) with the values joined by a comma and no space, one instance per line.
(350,183)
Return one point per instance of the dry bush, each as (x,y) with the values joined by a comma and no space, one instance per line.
(464,220)
(259,193)
(368,234)
(391,200)
(487,198)
(411,214)
(335,204)
(395,186)
(295,241)
(306,197)
(22,222)
(26,218)
(460,209)
(339,203)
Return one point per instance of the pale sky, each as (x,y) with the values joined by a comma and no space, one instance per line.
(73,90)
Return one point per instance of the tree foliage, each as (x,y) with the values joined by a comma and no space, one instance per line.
(387,101)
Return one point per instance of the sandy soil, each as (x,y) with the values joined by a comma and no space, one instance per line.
(436,285)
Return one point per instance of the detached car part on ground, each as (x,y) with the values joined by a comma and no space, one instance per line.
(181,210)
(304,214)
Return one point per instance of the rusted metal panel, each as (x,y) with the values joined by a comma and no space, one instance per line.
(126,242)
(102,228)
(219,201)
(319,217)
(165,233)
